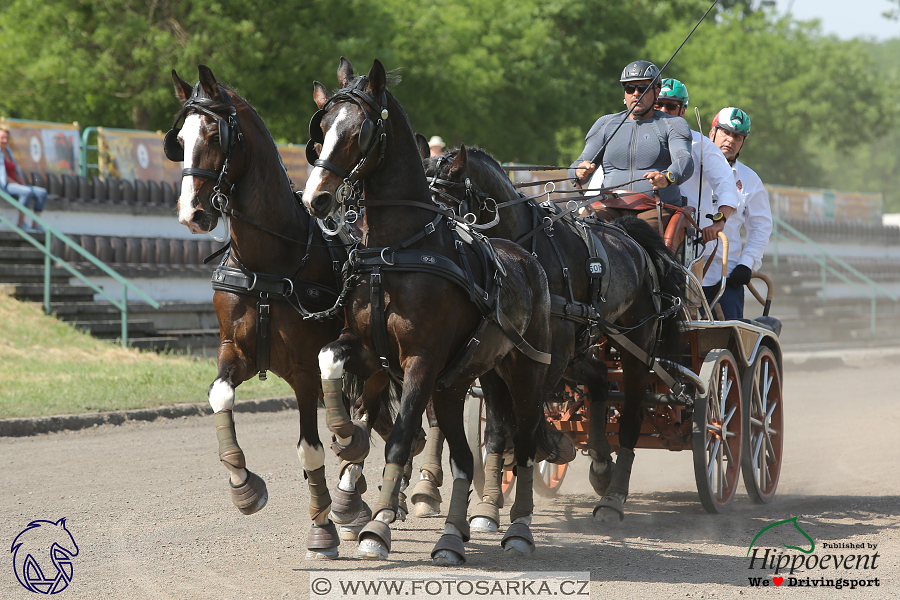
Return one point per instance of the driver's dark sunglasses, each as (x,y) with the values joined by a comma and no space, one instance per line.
(667,106)
(629,89)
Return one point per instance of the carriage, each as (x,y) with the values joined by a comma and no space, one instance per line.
(730,414)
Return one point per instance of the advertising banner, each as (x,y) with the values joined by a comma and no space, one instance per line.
(132,155)
(294,159)
(825,205)
(42,147)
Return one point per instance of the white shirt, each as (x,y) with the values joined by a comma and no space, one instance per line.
(718,179)
(753,213)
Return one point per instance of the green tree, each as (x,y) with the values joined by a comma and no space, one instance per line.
(794,84)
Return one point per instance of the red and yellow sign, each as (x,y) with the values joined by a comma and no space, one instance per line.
(41,147)
(133,155)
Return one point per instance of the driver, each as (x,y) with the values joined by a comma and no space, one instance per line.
(650,145)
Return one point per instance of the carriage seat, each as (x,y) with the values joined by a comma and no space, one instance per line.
(769,322)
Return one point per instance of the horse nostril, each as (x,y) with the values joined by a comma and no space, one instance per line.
(321,202)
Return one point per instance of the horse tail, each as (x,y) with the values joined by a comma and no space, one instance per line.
(671,282)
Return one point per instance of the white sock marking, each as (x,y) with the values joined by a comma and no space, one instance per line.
(221,396)
(348,479)
(311,458)
(329,366)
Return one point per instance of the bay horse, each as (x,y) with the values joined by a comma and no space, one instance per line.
(278,267)
(476,183)
(422,285)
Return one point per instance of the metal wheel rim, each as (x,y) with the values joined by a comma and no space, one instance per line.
(763,432)
(717,438)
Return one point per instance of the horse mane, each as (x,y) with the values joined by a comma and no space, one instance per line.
(484,159)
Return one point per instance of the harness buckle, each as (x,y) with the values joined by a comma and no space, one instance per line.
(376,279)
(566,272)
(429,229)
(384,362)
(459,245)
(383,259)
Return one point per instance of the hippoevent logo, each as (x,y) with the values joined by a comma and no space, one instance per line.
(836,565)
(42,556)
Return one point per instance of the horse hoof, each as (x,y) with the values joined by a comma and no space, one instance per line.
(372,549)
(518,541)
(345,506)
(426,492)
(449,551)
(251,496)
(484,525)
(600,482)
(427,508)
(322,554)
(609,510)
(374,541)
(350,531)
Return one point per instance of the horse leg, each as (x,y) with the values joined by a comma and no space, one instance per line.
(611,508)
(322,541)
(426,496)
(497,403)
(449,550)
(351,437)
(593,373)
(248,490)
(526,389)
(375,537)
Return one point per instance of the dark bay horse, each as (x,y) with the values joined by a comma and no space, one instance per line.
(476,183)
(422,287)
(279,265)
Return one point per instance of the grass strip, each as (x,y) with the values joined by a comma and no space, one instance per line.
(47,367)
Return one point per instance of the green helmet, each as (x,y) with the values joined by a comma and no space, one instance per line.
(673,89)
(734,120)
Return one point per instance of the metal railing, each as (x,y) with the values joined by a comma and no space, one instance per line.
(84,166)
(49,258)
(820,255)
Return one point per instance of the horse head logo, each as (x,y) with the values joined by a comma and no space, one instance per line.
(42,556)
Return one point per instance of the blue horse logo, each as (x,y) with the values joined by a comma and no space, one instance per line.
(42,556)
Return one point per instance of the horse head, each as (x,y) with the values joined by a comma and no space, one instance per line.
(47,539)
(205,137)
(347,138)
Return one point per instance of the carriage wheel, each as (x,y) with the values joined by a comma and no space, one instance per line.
(548,478)
(475,420)
(763,427)
(717,432)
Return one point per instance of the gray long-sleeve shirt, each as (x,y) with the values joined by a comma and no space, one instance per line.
(660,143)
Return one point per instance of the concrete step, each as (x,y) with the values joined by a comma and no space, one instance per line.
(11,239)
(21,255)
(113,328)
(32,274)
(33,292)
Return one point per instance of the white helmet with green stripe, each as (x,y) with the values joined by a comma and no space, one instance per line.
(672,89)
(734,120)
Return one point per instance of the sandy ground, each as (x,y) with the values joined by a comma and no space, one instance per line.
(148,507)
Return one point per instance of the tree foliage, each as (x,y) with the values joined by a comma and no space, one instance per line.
(522,78)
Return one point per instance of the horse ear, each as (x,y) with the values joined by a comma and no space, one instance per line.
(320,94)
(377,80)
(208,82)
(422,144)
(182,88)
(345,73)
(458,167)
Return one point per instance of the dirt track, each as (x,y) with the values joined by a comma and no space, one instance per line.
(148,506)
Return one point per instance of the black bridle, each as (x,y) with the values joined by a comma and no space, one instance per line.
(371,135)
(229,134)
(472,196)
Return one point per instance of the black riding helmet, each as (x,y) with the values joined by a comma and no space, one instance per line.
(640,70)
